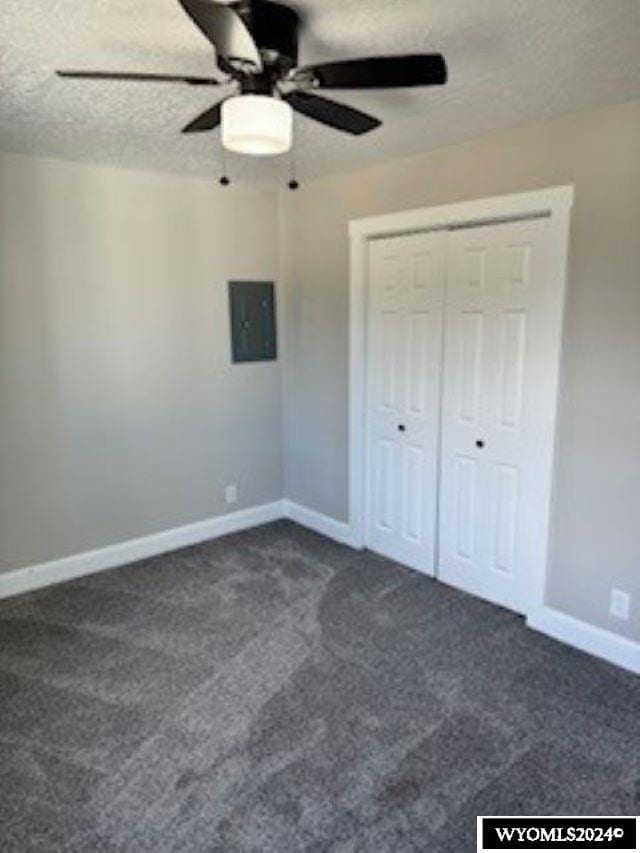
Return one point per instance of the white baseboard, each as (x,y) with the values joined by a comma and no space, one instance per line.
(77,565)
(338,530)
(45,574)
(596,641)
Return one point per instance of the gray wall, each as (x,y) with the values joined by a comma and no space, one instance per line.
(120,414)
(596,520)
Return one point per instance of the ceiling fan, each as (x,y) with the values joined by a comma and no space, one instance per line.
(256,45)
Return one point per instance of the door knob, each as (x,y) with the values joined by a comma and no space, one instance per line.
(480,443)
(401,428)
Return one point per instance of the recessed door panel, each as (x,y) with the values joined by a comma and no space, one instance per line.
(476,260)
(423,268)
(413,493)
(470,337)
(418,376)
(504,487)
(514,325)
(391,282)
(519,260)
(388,361)
(384,488)
(465,506)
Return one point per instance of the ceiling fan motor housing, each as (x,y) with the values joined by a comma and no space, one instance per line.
(274,28)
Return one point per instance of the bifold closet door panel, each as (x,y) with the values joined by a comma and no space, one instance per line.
(502,319)
(404,351)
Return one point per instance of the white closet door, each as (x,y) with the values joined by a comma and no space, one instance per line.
(502,336)
(406,285)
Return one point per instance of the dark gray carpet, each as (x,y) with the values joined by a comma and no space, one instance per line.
(274,691)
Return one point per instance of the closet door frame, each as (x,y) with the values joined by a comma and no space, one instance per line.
(555,204)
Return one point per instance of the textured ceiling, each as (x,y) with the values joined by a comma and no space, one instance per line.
(510,61)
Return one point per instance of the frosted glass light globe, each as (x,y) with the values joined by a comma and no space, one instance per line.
(257,125)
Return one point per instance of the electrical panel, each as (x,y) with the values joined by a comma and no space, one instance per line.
(253,321)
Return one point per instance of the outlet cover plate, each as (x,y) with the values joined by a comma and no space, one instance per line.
(620,604)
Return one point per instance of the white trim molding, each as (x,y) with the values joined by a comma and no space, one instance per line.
(330,527)
(44,574)
(554,203)
(546,202)
(588,638)
(596,641)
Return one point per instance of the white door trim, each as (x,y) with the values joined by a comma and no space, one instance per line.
(555,202)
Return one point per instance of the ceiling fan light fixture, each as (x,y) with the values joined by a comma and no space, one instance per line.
(257,124)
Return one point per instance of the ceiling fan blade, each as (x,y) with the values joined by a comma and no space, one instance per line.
(225,29)
(382,72)
(151,78)
(335,115)
(208,120)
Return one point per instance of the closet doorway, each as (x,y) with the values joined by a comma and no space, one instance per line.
(455,390)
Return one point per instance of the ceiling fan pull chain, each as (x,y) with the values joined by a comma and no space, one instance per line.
(293,181)
(224,180)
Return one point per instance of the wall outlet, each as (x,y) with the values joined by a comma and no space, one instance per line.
(231,494)
(620,604)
